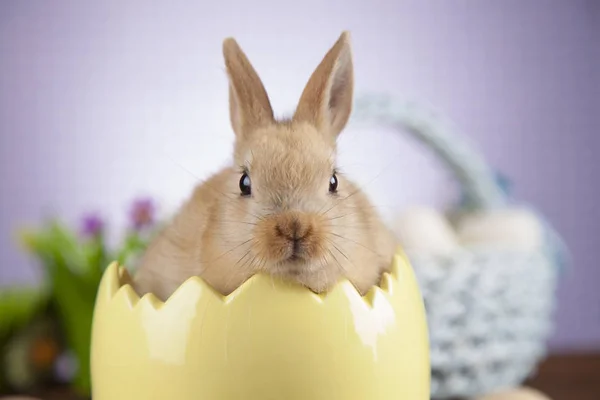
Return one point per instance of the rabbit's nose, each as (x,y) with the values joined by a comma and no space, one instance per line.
(294,236)
(292,229)
(288,229)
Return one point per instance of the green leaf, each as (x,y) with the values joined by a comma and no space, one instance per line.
(96,259)
(75,306)
(67,244)
(35,242)
(18,306)
(133,245)
(74,269)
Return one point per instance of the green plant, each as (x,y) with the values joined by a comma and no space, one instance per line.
(73,264)
(19,307)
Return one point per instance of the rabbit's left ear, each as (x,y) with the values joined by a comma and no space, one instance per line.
(249,105)
(326,101)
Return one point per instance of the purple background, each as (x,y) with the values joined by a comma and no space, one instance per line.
(103,101)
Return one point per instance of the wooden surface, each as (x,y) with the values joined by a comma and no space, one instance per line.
(569,377)
(564,377)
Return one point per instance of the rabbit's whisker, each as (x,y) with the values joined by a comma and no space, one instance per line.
(360,188)
(242,266)
(355,242)
(336,261)
(212,262)
(205,183)
(240,222)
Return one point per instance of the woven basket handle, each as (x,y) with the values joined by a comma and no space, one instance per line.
(478,181)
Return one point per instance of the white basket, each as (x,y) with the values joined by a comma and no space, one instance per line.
(489,311)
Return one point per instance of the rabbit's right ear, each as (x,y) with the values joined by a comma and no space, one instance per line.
(249,105)
(326,101)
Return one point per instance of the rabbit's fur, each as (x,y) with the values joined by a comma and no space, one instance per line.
(291,224)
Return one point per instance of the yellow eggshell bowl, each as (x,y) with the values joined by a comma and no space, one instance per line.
(269,339)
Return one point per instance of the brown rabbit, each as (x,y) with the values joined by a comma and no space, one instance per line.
(283,208)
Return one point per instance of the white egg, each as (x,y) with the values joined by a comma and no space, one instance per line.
(515,394)
(425,230)
(513,228)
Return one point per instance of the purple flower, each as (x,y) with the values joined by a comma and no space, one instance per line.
(65,367)
(142,213)
(92,226)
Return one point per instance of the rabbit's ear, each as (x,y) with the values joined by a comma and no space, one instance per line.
(326,102)
(249,105)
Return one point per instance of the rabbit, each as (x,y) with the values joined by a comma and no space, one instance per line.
(283,208)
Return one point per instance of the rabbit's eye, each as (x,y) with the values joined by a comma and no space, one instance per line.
(333,184)
(245,185)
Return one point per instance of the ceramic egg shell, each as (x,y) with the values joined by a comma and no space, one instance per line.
(269,339)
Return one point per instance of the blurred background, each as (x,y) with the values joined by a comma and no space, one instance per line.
(102,103)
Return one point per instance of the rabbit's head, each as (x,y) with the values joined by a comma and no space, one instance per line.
(308,218)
